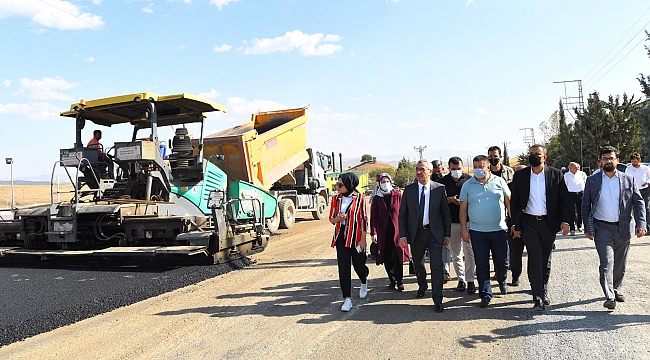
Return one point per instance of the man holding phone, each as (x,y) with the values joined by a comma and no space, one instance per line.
(465,268)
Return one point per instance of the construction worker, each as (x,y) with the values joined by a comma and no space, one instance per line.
(94,143)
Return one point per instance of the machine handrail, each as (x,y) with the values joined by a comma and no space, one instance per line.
(74,182)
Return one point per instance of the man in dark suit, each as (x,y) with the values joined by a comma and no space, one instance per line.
(425,222)
(611,200)
(540,208)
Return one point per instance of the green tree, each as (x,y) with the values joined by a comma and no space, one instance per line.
(366,157)
(611,122)
(523,158)
(405,173)
(643,111)
(372,175)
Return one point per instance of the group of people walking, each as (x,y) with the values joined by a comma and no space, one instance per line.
(494,212)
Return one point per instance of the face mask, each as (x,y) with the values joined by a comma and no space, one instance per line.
(479,173)
(494,161)
(535,160)
(456,173)
(386,187)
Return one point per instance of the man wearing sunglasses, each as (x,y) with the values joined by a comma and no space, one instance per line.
(425,222)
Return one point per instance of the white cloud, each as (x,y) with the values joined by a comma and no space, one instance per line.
(417,124)
(222,48)
(392,1)
(46,88)
(96,2)
(211,95)
(482,111)
(368,96)
(148,9)
(6,82)
(34,110)
(90,59)
(58,14)
(469,2)
(306,44)
(221,3)
(181,47)
(237,105)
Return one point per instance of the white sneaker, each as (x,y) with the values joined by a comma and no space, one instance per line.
(363,292)
(347,305)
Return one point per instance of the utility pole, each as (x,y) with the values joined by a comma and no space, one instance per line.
(575,102)
(420,150)
(529,136)
(10,162)
(506,157)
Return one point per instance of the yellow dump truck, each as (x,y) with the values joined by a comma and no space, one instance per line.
(270,151)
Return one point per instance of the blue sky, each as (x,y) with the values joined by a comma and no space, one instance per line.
(380,76)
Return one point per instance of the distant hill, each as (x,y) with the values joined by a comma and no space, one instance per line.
(369,166)
(25,182)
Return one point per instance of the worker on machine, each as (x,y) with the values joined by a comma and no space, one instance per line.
(94,143)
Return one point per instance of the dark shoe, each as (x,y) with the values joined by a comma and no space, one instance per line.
(439,308)
(546,299)
(471,288)
(420,293)
(503,287)
(610,304)
(446,277)
(485,302)
(392,284)
(400,287)
(461,286)
(619,297)
(515,282)
(539,306)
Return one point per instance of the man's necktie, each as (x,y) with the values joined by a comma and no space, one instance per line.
(421,208)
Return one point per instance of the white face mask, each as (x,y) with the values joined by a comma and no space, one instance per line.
(456,173)
(386,187)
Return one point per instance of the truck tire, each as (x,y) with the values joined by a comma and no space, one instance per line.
(321,208)
(287,214)
(273,223)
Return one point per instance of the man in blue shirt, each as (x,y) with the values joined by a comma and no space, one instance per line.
(485,197)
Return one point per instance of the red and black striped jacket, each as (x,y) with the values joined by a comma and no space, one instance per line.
(356,224)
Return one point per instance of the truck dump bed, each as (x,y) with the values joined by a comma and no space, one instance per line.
(262,150)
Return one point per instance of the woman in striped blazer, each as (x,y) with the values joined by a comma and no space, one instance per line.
(348,214)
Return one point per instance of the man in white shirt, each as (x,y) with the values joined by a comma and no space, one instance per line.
(614,212)
(575,183)
(641,174)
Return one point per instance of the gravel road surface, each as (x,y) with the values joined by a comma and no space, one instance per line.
(287,305)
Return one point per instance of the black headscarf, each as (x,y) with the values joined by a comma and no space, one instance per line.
(350,180)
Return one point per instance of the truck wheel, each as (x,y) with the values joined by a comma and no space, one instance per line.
(273,223)
(319,214)
(287,213)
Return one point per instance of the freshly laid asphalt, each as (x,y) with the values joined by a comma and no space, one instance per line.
(40,296)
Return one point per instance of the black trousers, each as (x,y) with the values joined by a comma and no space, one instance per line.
(424,239)
(576,213)
(538,238)
(345,257)
(516,251)
(392,264)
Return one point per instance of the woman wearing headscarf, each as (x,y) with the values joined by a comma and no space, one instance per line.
(348,213)
(384,213)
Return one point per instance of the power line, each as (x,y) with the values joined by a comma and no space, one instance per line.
(619,41)
(628,53)
(115,34)
(140,69)
(624,46)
